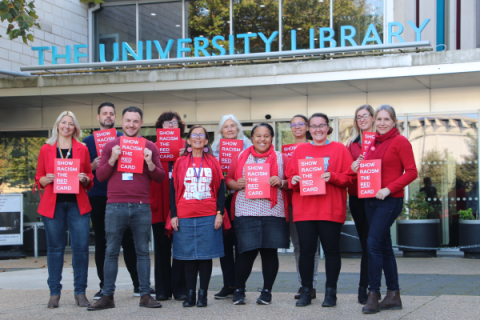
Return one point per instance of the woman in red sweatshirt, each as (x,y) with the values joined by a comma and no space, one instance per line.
(398,171)
(320,215)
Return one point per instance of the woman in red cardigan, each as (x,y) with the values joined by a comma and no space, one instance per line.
(60,210)
(398,171)
(320,215)
(169,274)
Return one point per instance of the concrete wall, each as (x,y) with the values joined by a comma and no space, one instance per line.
(468,25)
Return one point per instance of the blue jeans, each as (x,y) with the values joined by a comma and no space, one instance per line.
(119,216)
(67,214)
(381,215)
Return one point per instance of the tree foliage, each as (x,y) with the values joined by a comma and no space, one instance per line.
(21,16)
(91,1)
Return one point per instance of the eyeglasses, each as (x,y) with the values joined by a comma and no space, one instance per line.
(322,126)
(297,125)
(364,117)
(198,135)
(170,123)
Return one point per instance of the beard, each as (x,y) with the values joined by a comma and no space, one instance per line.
(108,126)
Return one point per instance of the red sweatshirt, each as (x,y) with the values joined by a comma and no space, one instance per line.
(355,149)
(331,206)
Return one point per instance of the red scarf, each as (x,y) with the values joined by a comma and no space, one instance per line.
(379,146)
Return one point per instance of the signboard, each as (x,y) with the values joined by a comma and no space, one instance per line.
(102,137)
(66,176)
(169,142)
(11,219)
(257,175)
(369,178)
(310,171)
(132,157)
(367,138)
(229,149)
(288,149)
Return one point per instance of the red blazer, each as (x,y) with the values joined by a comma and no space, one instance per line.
(46,165)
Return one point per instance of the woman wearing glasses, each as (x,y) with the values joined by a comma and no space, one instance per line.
(363,122)
(169,274)
(197,200)
(320,215)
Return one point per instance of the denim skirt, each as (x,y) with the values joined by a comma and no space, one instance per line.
(261,232)
(197,239)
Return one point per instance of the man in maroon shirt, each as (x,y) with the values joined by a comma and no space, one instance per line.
(128,205)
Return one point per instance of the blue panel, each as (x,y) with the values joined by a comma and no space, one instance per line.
(440,25)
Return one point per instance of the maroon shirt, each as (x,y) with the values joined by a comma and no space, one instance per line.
(135,191)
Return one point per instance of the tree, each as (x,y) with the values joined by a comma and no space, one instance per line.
(21,16)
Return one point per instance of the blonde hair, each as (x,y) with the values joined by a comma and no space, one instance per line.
(357,132)
(389,109)
(76,134)
(219,131)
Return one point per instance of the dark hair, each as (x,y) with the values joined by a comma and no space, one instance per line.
(324,116)
(263,124)
(308,135)
(106,104)
(168,116)
(206,136)
(133,109)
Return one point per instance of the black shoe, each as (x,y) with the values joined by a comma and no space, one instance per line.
(98,295)
(305,297)
(202,298)
(191,299)
(162,297)
(239,296)
(180,297)
(362,295)
(265,297)
(330,298)
(136,292)
(225,293)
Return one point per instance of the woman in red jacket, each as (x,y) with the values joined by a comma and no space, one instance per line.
(363,122)
(320,215)
(60,210)
(169,274)
(398,171)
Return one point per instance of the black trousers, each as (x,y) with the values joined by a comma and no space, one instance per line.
(269,267)
(97,215)
(329,233)
(357,208)
(169,273)
(227,262)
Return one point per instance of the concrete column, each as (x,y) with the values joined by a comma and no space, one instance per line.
(428,10)
(451,34)
(468,34)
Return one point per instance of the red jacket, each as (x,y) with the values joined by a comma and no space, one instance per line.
(45,165)
(355,149)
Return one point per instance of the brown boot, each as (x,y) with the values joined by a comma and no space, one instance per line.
(148,302)
(372,303)
(391,301)
(82,301)
(53,302)
(105,302)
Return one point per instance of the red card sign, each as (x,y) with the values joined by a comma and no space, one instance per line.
(102,137)
(131,159)
(66,176)
(257,175)
(289,148)
(169,142)
(310,171)
(367,138)
(229,149)
(369,178)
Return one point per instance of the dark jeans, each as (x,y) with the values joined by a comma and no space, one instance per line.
(169,275)
(269,267)
(329,233)
(381,214)
(99,205)
(67,214)
(357,208)
(118,217)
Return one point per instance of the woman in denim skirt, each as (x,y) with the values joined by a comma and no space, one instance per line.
(260,224)
(197,201)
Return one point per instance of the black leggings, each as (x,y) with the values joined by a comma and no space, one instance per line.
(245,262)
(357,208)
(202,268)
(329,233)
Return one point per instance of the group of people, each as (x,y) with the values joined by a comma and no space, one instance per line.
(198,213)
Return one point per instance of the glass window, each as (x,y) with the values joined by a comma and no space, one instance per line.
(284,135)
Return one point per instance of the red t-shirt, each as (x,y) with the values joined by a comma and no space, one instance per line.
(355,149)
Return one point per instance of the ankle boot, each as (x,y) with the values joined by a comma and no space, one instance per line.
(372,303)
(330,297)
(82,300)
(391,301)
(202,298)
(54,302)
(362,295)
(191,299)
(305,297)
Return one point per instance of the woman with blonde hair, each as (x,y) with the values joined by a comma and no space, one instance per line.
(60,210)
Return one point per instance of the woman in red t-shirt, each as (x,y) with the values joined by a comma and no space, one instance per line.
(320,215)
(197,201)
(398,171)
(169,274)
(363,122)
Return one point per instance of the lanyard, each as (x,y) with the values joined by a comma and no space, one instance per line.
(197,175)
(60,151)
